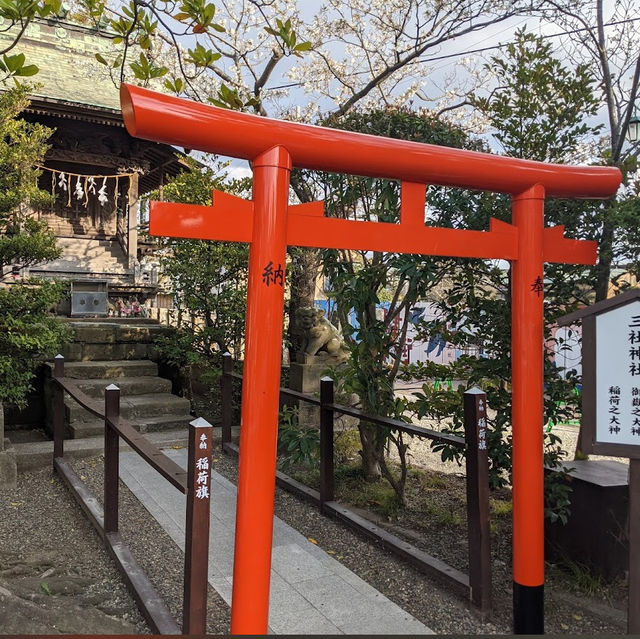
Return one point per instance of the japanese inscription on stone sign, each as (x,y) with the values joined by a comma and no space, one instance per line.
(618,375)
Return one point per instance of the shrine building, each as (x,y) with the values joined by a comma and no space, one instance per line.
(95,169)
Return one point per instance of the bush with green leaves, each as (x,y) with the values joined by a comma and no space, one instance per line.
(28,330)
(298,445)
(28,334)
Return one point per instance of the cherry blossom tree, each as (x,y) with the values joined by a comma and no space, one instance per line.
(605,36)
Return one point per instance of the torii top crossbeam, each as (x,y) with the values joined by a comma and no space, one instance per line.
(269,224)
(199,126)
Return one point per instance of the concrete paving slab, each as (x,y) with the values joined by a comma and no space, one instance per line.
(382,623)
(305,621)
(311,592)
(293,563)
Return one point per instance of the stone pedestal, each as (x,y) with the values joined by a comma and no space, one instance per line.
(304,377)
(8,463)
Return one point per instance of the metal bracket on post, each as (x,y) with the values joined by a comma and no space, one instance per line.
(196,542)
(111,458)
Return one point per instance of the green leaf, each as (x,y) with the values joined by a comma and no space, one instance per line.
(28,70)
(14,62)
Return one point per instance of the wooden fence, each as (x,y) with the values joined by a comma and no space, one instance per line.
(195,484)
(477,583)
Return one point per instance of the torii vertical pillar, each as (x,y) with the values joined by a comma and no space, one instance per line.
(527,339)
(263,356)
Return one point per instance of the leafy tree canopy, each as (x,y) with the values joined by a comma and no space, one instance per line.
(208,279)
(360,279)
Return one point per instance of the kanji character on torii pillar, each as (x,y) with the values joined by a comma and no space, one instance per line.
(269,224)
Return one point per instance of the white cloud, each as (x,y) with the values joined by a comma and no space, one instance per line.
(239,171)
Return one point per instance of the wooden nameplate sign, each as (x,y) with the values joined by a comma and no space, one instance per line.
(611,405)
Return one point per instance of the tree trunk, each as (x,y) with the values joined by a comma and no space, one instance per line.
(371,451)
(305,267)
(605,251)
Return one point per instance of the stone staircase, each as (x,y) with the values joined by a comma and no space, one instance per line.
(120,352)
(81,256)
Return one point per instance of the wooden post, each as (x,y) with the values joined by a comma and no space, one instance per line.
(633,618)
(226,391)
(58,408)
(327,492)
(196,542)
(111,458)
(475,428)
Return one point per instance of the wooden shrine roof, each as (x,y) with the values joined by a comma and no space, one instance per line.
(65,54)
(72,85)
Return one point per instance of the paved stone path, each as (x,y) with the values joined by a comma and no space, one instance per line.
(311,592)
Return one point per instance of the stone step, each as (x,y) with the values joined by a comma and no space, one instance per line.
(79,352)
(114,279)
(94,428)
(98,256)
(112,320)
(111,370)
(141,385)
(113,340)
(106,264)
(135,407)
(114,333)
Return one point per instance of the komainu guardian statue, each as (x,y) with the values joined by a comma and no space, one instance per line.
(318,336)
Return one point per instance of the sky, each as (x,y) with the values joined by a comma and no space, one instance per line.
(437,71)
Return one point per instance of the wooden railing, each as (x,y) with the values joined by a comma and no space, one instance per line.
(105,520)
(477,583)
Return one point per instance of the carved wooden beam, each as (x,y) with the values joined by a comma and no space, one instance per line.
(98,159)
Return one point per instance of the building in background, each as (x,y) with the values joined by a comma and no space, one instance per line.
(95,169)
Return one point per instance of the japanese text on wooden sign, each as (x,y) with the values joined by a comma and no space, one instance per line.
(618,375)
(202,469)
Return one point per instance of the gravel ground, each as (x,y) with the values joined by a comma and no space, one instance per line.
(55,574)
(46,520)
(155,551)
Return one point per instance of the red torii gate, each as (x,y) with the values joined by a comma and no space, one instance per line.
(269,224)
